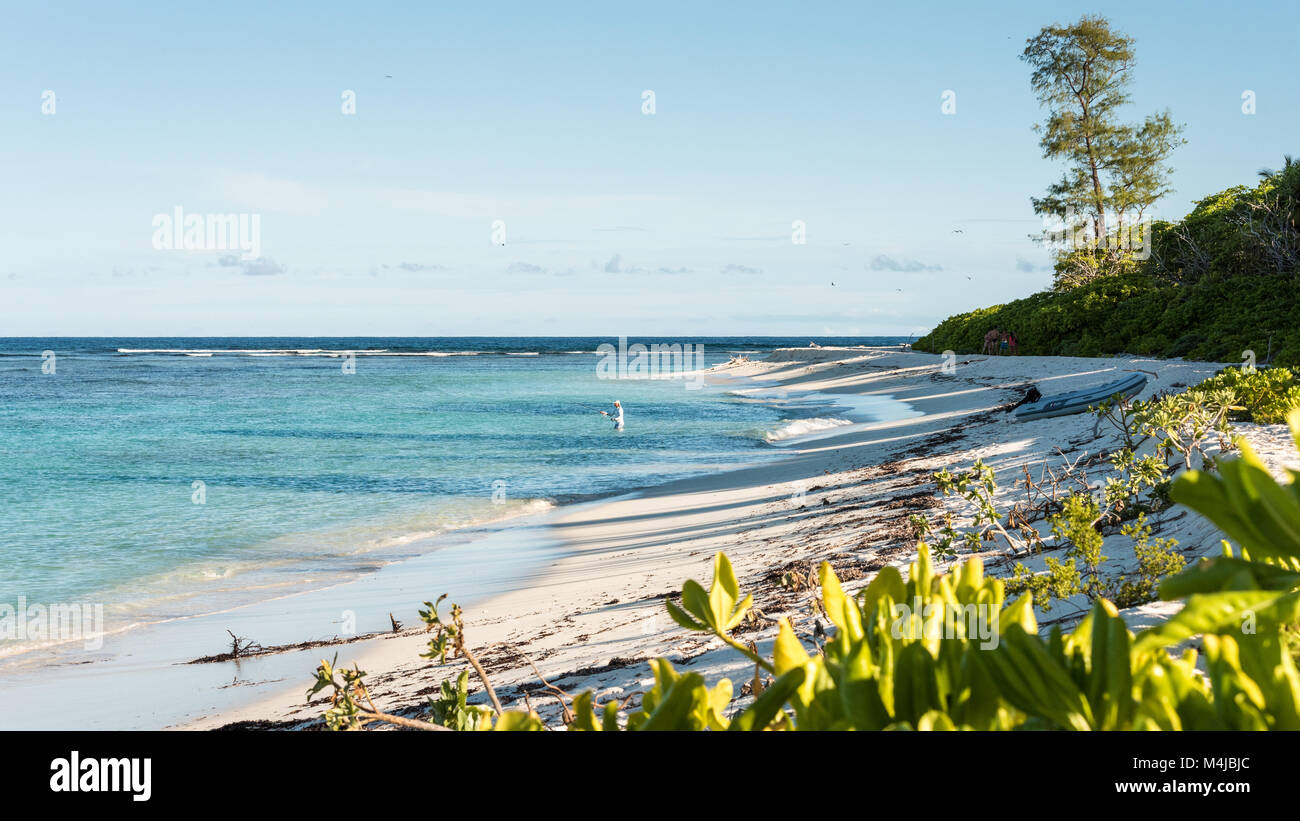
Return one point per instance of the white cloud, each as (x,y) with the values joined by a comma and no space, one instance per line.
(261,193)
(907,266)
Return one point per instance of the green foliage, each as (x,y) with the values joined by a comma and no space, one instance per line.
(1177,427)
(1173,427)
(450,709)
(949,651)
(1264,395)
(1081,74)
(718,609)
(1259,591)
(681,702)
(675,702)
(1135,483)
(1080,572)
(1077,525)
(1156,560)
(352,708)
(1157,437)
(1061,581)
(900,659)
(445,632)
(1219,282)
(977,486)
(1080,266)
(946,652)
(346,687)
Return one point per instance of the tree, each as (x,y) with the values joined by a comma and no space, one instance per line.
(1081,76)
(1139,175)
(1287,162)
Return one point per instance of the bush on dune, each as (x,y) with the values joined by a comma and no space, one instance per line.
(1223,280)
(1265,396)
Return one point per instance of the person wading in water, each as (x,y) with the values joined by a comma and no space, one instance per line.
(616,416)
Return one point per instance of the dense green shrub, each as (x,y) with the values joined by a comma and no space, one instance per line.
(1223,280)
(1214,321)
(1264,395)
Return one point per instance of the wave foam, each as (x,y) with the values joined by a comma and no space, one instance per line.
(803,427)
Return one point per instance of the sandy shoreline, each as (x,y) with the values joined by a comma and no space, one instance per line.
(594,614)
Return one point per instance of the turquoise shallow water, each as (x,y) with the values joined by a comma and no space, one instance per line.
(310,475)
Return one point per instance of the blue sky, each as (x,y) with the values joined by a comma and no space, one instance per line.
(616,222)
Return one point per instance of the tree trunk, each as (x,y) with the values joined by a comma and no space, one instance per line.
(1099,200)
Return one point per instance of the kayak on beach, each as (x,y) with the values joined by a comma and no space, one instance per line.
(1079,401)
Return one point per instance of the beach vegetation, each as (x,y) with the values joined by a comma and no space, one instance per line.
(1080,572)
(917,652)
(1256,584)
(874,673)
(1156,559)
(1218,285)
(452,710)
(1262,395)
(1158,438)
(1098,676)
(978,486)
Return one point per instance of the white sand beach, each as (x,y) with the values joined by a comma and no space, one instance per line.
(595,613)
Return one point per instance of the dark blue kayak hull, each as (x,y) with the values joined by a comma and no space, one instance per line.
(1078,401)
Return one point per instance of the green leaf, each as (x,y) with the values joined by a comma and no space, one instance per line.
(1030,679)
(674,711)
(681,618)
(518,720)
(788,652)
(888,582)
(696,602)
(584,717)
(935,720)
(1110,684)
(1020,613)
(723,592)
(724,575)
(841,610)
(610,719)
(1206,613)
(739,615)
(759,715)
(1223,573)
(915,690)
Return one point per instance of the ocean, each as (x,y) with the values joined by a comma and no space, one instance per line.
(168,478)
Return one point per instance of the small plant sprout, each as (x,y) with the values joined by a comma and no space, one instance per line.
(719,610)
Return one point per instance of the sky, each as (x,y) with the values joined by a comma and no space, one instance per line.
(500,174)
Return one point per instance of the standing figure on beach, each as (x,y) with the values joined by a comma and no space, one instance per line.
(1011,342)
(990,339)
(1004,343)
(616,416)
